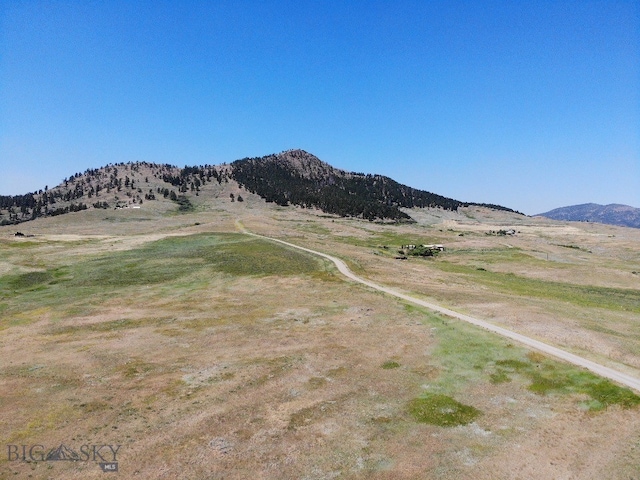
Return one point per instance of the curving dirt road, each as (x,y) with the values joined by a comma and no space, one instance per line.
(596,368)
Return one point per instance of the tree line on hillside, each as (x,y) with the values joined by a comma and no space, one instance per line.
(192,178)
(113,180)
(373,197)
(21,208)
(283,185)
(89,186)
(291,178)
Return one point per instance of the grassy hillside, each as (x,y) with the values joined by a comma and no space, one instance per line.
(207,353)
(294,177)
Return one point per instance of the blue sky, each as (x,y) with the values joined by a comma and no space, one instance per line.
(531,105)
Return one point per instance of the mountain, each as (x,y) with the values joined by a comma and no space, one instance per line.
(293,177)
(299,178)
(613,214)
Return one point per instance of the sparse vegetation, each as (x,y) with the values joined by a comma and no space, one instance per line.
(541,374)
(185,346)
(164,263)
(549,377)
(500,376)
(442,410)
(584,295)
(390,364)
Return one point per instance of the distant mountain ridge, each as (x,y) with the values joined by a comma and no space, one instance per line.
(293,177)
(612,214)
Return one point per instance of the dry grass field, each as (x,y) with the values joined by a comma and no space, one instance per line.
(180,348)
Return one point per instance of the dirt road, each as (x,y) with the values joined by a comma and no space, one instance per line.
(596,368)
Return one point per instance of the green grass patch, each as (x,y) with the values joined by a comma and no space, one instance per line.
(545,384)
(442,410)
(582,295)
(607,393)
(560,378)
(164,261)
(463,352)
(546,377)
(29,280)
(16,284)
(73,285)
(390,364)
(20,244)
(390,239)
(467,355)
(514,365)
(497,254)
(499,376)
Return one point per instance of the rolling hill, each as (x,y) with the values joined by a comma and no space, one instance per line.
(293,177)
(613,214)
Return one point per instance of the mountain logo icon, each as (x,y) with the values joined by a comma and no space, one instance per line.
(63,453)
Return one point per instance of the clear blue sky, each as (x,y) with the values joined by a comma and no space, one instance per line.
(529,104)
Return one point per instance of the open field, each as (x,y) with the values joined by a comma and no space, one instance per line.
(206,353)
